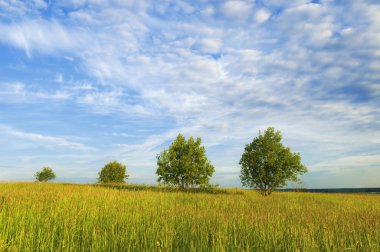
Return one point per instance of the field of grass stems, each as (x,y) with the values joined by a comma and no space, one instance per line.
(60,217)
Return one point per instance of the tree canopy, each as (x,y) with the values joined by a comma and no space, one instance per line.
(113,172)
(44,175)
(266,164)
(184,164)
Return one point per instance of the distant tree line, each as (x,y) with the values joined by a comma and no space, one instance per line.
(266,164)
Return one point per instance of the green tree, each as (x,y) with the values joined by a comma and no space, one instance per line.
(184,164)
(113,172)
(44,175)
(266,164)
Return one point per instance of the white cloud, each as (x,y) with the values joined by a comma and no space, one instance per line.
(375,88)
(12,88)
(209,45)
(208,11)
(237,10)
(262,15)
(101,98)
(40,4)
(299,72)
(44,140)
(42,36)
(20,92)
(347,163)
(82,16)
(307,10)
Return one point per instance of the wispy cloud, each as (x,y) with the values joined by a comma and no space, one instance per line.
(40,36)
(39,139)
(20,92)
(356,162)
(219,70)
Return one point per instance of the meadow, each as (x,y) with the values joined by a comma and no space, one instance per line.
(62,217)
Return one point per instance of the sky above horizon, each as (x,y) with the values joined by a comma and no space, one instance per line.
(85,82)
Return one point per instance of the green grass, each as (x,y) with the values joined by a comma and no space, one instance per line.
(59,217)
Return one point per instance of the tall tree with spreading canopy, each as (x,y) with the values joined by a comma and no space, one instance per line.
(44,175)
(184,164)
(266,164)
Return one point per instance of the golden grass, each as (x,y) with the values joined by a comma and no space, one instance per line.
(59,217)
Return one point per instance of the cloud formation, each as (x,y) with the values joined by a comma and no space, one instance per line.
(130,75)
(44,140)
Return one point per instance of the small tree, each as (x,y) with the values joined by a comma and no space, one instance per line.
(266,164)
(184,164)
(44,175)
(113,172)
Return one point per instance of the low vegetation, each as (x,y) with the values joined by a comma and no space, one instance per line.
(60,217)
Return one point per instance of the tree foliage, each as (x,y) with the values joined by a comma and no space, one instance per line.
(113,172)
(44,175)
(184,164)
(266,164)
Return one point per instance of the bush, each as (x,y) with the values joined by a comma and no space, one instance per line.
(113,172)
(44,175)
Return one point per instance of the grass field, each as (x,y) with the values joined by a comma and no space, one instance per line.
(59,217)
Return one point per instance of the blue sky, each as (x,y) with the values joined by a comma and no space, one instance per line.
(84,82)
